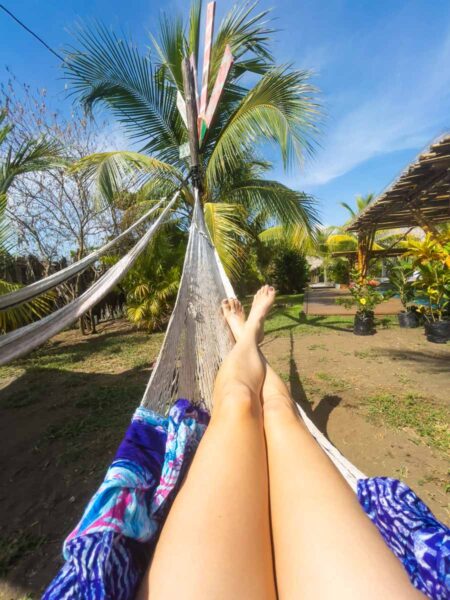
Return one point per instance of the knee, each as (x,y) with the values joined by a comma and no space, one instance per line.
(238,400)
(279,407)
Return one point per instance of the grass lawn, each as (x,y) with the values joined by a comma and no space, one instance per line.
(63,410)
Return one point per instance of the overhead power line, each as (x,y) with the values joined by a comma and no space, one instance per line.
(35,35)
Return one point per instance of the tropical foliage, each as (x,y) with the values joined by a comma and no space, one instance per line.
(431,257)
(401,278)
(362,202)
(289,271)
(151,286)
(141,90)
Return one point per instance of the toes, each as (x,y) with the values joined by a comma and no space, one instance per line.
(232,302)
(225,304)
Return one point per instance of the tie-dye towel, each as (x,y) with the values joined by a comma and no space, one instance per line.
(108,552)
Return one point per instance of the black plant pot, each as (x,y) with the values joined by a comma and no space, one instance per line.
(364,324)
(438,332)
(408,319)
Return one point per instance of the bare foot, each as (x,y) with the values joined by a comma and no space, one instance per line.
(233,312)
(262,303)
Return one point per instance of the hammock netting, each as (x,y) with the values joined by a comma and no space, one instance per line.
(197,336)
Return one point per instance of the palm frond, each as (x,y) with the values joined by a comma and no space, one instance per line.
(171,47)
(341,241)
(195,17)
(224,222)
(281,108)
(116,171)
(248,36)
(20,315)
(349,208)
(295,236)
(275,201)
(110,70)
(31,155)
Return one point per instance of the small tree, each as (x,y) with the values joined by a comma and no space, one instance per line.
(289,271)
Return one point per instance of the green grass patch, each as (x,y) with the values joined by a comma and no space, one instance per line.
(13,547)
(99,353)
(336,383)
(428,421)
(287,317)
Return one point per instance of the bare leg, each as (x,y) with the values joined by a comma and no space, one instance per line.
(324,544)
(216,541)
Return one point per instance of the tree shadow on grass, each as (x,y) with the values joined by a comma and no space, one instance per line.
(59,431)
(434,360)
(317,321)
(321,413)
(82,347)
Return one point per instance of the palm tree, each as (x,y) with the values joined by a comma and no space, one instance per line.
(141,92)
(362,202)
(30,155)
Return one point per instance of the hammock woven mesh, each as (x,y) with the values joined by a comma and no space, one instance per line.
(197,336)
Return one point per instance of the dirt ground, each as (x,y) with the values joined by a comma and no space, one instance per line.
(63,412)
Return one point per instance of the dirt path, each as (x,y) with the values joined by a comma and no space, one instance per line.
(64,410)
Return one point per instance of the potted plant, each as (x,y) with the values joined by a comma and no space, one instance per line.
(431,257)
(401,278)
(363,295)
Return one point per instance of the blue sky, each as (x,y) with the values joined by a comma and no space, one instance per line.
(383,68)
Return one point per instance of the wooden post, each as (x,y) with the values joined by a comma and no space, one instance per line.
(365,243)
(191,114)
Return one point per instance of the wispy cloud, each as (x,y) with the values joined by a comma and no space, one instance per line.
(410,108)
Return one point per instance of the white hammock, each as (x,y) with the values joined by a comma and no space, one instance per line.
(39,287)
(197,337)
(23,340)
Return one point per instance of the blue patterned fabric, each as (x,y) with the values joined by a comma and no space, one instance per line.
(411,531)
(108,552)
(110,548)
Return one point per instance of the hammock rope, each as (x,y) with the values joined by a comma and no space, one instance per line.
(39,287)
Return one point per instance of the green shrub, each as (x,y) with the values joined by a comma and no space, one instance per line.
(288,271)
(339,271)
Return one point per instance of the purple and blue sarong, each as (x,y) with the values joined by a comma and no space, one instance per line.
(108,552)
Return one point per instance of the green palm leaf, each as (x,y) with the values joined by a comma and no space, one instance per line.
(224,222)
(297,237)
(111,71)
(115,171)
(273,200)
(20,315)
(280,108)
